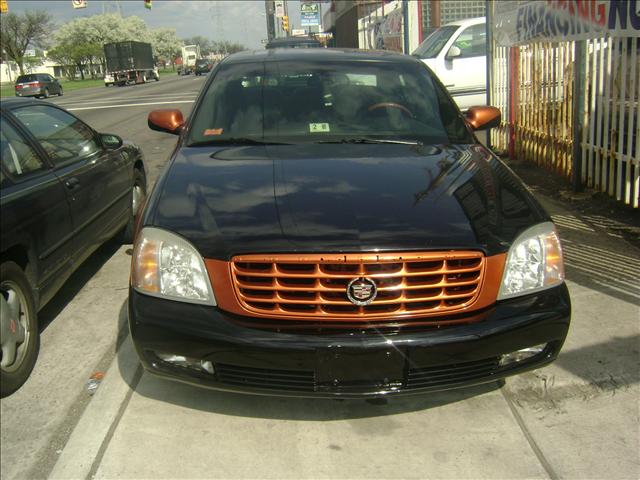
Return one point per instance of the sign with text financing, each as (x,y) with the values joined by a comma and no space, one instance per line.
(518,22)
(309,14)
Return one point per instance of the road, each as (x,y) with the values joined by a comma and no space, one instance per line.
(577,418)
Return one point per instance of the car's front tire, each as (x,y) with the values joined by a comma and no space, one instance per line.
(60,93)
(19,335)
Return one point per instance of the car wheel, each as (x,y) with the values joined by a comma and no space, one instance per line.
(19,336)
(138,196)
(46,93)
(60,93)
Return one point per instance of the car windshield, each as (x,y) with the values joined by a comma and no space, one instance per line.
(434,43)
(323,102)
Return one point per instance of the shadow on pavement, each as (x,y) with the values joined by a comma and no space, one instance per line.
(76,282)
(608,365)
(282,408)
(598,261)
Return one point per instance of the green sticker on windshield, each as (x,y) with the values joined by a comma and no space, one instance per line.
(318,127)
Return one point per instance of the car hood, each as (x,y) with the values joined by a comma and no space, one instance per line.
(348,198)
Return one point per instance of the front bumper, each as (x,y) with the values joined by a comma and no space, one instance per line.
(345,365)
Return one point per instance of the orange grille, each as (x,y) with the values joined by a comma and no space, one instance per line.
(314,286)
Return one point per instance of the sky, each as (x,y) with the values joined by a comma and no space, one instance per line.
(241,21)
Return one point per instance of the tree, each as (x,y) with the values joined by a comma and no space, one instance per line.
(206,45)
(79,43)
(165,44)
(227,48)
(18,32)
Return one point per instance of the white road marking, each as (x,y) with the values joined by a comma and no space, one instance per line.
(128,105)
(129,99)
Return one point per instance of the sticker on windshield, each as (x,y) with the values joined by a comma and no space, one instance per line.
(318,127)
(213,131)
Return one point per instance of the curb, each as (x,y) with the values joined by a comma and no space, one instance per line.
(92,434)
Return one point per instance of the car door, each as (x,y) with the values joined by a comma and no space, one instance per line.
(95,178)
(54,86)
(35,210)
(465,76)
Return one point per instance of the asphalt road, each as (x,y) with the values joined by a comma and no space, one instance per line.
(577,418)
(81,325)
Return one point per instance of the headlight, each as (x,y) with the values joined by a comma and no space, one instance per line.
(166,265)
(534,262)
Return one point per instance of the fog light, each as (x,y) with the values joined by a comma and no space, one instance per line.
(188,362)
(520,355)
(207,366)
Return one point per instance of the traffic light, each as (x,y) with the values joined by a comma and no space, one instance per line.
(147,4)
(285,23)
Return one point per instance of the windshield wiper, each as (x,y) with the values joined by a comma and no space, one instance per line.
(372,141)
(232,141)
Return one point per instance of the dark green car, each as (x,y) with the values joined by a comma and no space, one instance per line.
(203,66)
(40,85)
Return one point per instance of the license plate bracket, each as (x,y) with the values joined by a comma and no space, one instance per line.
(340,367)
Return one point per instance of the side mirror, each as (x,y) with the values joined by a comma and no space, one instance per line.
(483,118)
(167,120)
(110,141)
(453,53)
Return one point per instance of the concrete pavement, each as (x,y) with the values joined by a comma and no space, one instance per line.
(577,418)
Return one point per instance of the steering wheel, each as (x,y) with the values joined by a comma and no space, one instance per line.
(402,108)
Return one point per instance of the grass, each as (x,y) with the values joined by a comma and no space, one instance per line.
(7,89)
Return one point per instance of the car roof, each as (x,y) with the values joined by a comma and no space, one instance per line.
(466,22)
(318,55)
(10,103)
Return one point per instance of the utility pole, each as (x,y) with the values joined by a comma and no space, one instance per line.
(113,5)
(405,27)
(286,13)
(435,13)
(269,9)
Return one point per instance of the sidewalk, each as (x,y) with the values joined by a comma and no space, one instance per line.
(577,418)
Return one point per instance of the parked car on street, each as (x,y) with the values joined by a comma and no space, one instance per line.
(39,85)
(457,54)
(65,189)
(329,225)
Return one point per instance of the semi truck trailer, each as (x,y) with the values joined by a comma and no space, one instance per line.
(129,62)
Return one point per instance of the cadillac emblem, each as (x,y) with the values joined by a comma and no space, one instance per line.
(361,291)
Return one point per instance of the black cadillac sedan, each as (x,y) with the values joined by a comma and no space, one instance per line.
(65,189)
(329,225)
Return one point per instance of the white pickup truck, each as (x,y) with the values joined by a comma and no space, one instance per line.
(457,54)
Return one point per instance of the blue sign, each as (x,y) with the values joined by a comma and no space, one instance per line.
(309,14)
